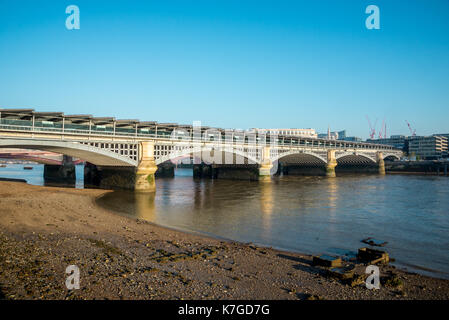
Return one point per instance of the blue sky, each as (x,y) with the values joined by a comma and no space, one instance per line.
(238,64)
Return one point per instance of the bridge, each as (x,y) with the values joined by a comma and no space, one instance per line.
(128,154)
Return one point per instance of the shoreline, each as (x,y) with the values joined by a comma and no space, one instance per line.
(45,229)
(262,246)
(434,174)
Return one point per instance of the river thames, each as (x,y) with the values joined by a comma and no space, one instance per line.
(305,214)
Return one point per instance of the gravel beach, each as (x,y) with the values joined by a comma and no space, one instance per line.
(43,230)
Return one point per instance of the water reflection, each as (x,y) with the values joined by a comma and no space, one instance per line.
(266,205)
(332,187)
(145,208)
(308,214)
(139,205)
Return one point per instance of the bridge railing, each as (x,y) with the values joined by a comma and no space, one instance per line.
(27,126)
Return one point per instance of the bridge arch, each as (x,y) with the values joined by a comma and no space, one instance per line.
(391,155)
(94,155)
(300,157)
(354,158)
(200,149)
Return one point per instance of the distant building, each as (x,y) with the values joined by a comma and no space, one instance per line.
(397,141)
(332,136)
(342,135)
(430,147)
(446,135)
(329,135)
(338,135)
(306,133)
(352,139)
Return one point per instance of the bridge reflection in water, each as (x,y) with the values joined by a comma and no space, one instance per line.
(138,205)
(266,206)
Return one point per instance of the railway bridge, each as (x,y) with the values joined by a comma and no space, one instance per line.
(128,154)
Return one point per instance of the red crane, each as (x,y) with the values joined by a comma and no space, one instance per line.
(372,130)
(383,130)
(412,131)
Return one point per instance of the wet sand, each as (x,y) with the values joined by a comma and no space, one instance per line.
(43,230)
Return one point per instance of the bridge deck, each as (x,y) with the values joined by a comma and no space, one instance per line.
(54,123)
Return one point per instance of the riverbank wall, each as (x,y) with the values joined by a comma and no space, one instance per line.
(428,167)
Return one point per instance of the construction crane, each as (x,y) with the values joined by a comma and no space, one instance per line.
(383,130)
(372,130)
(412,131)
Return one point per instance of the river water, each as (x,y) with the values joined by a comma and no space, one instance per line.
(305,214)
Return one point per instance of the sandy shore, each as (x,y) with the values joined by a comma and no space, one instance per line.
(43,230)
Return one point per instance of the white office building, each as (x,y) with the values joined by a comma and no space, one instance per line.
(431,147)
(305,133)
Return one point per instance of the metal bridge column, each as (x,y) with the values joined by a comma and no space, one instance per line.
(331,163)
(147,167)
(266,165)
(381,162)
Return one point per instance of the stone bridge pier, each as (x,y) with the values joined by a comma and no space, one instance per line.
(266,165)
(139,179)
(165,170)
(331,164)
(144,181)
(64,172)
(381,163)
(203,170)
(92,175)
